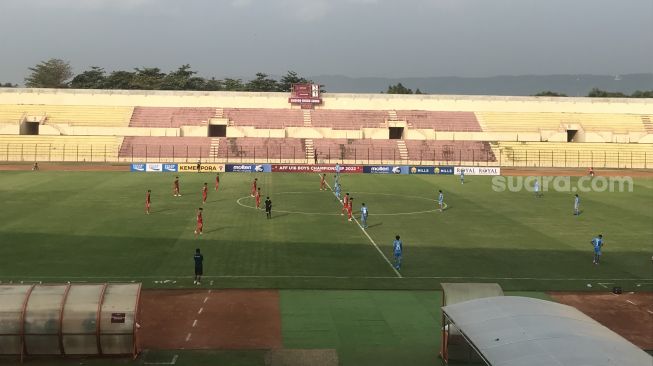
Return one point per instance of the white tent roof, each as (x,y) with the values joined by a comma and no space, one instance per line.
(521,331)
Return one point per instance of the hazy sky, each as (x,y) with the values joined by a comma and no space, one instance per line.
(385,38)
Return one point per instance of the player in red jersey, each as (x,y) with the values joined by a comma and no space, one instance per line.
(258,198)
(217,181)
(350,207)
(345,204)
(175,188)
(200,222)
(323,182)
(253,193)
(205,192)
(148,201)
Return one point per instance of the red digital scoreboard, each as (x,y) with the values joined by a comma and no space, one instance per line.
(307,95)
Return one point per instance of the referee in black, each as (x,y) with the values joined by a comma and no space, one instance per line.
(268,207)
(199,258)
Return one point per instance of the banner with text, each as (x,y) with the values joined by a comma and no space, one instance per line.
(248,168)
(478,170)
(204,168)
(153,167)
(446,170)
(385,169)
(290,168)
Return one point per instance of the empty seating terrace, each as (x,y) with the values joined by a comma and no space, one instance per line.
(262,149)
(440,120)
(142,147)
(59,148)
(449,151)
(264,118)
(348,119)
(170,117)
(359,150)
(534,122)
(100,116)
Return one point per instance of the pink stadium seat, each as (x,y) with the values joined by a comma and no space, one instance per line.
(170,117)
(348,119)
(165,147)
(265,118)
(449,151)
(441,121)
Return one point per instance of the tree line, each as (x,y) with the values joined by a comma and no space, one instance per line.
(57,73)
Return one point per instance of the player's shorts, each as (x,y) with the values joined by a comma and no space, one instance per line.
(199,271)
(268,209)
(597,252)
(397,254)
(200,226)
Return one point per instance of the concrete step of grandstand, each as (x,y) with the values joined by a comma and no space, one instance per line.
(403,150)
(648,124)
(392,115)
(307,118)
(219,113)
(310,149)
(215,147)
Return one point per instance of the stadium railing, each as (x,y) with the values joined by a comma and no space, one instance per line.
(546,158)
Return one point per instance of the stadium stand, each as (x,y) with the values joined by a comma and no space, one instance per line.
(264,118)
(441,121)
(449,151)
(59,148)
(100,116)
(348,119)
(141,147)
(534,122)
(269,149)
(598,155)
(170,117)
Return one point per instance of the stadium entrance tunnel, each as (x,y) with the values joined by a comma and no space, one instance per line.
(69,319)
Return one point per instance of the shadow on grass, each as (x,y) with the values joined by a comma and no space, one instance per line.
(311,265)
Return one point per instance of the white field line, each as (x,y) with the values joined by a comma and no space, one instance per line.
(103,279)
(370,238)
(603,284)
(172,362)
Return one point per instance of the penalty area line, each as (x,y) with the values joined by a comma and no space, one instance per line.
(370,238)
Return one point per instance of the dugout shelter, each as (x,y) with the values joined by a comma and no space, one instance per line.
(69,319)
(453,345)
(522,331)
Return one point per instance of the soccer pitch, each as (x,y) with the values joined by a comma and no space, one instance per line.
(91,227)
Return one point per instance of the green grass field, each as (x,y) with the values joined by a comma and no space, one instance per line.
(82,226)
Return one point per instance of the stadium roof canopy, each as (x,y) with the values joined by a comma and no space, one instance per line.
(520,331)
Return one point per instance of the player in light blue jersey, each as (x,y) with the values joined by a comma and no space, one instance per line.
(398,248)
(336,188)
(441,200)
(462,176)
(536,189)
(576,205)
(336,180)
(338,170)
(597,243)
(364,216)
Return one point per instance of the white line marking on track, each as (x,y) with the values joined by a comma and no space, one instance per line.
(371,240)
(206,299)
(210,291)
(630,302)
(194,323)
(650,312)
(172,362)
(200,311)
(188,337)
